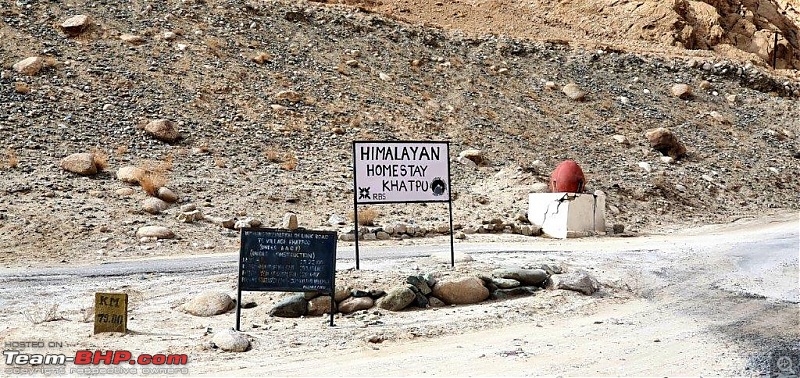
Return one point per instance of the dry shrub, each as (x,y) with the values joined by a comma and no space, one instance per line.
(272,155)
(290,163)
(37,314)
(22,88)
(366,217)
(12,161)
(219,161)
(87,314)
(151,181)
(100,159)
(121,150)
(261,58)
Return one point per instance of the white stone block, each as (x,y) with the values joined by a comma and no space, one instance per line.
(563,215)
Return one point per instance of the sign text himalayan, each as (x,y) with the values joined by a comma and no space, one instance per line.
(388,172)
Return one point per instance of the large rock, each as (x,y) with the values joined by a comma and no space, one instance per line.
(76,24)
(290,307)
(29,66)
(505,283)
(154,205)
(130,174)
(158,232)
(580,281)
(682,91)
(81,163)
(420,283)
(354,304)
(320,305)
(514,292)
(289,221)
(534,277)
(462,291)
(574,92)
(163,130)
(291,96)
(397,299)
(166,195)
(342,293)
(209,303)
(473,155)
(663,140)
(231,341)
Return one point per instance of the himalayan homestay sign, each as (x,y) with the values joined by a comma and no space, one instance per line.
(398,172)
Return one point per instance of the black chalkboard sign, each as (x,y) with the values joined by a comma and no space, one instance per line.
(286,260)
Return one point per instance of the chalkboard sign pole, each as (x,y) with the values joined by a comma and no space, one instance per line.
(450,202)
(355,216)
(239,288)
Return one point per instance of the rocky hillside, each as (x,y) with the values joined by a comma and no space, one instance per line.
(268,96)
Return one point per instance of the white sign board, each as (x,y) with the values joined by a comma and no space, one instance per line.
(387,172)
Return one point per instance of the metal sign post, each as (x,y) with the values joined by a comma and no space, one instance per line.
(401,172)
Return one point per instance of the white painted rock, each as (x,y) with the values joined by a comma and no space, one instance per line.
(231,341)
(29,66)
(81,163)
(209,303)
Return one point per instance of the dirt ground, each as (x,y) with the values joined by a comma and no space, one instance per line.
(664,309)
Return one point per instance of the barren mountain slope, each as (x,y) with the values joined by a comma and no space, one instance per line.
(736,29)
(220,76)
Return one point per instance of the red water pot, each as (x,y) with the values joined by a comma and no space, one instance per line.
(567,177)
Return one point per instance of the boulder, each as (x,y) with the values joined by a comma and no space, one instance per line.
(231,341)
(130,174)
(474,155)
(320,305)
(534,277)
(664,141)
(158,232)
(420,283)
(354,304)
(682,91)
(289,221)
(163,130)
(505,283)
(167,195)
(397,299)
(154,205)
(80,163)
(29,66)
(76,24)
(336,219)
(291,96)
(574,92)
(515,292)
(190,216)
(290,307)
(466,290)
(580,281)
(209,303)
(132,39)
(342,293)
(435,302)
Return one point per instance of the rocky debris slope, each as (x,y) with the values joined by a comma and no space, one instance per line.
(246,111)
